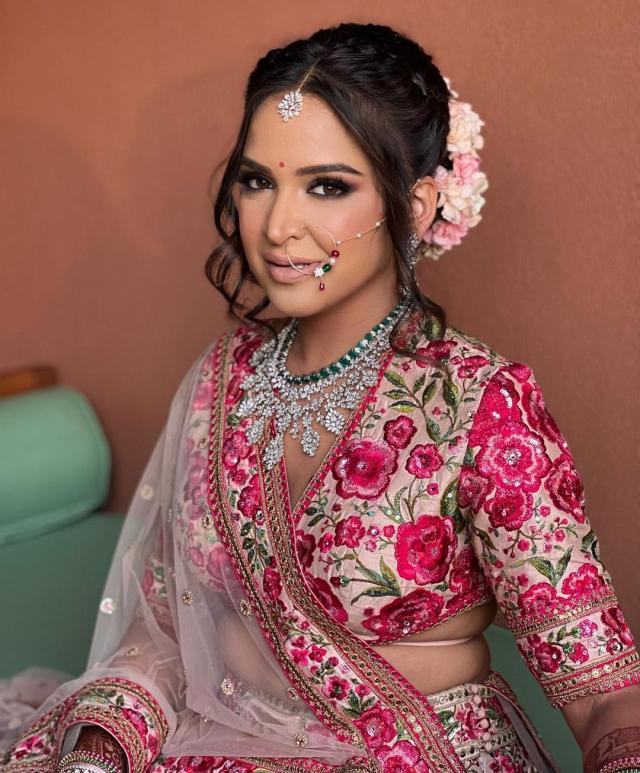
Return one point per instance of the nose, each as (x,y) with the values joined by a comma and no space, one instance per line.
(283,221)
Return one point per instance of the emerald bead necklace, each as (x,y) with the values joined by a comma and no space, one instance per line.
(298,401)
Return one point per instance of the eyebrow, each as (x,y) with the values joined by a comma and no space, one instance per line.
(315,169)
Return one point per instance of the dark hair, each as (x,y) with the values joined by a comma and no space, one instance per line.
(391,99)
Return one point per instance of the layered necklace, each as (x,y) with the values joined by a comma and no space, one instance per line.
(298,401)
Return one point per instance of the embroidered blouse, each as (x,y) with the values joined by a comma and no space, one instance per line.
(451,485)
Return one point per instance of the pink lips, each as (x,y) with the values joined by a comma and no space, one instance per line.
(280,269)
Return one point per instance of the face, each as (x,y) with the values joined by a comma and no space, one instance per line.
(285,206)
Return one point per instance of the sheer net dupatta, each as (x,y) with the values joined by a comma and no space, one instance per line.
(176,665)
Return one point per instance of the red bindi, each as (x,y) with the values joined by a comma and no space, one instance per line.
(281,163)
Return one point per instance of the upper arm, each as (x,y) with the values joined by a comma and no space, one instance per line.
(524,501)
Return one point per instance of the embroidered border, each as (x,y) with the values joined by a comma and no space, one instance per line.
(321,707)
(522,628)
(606,676)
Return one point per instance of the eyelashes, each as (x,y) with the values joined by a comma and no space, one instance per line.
(341,186)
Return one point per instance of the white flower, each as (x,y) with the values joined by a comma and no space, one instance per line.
(318,271)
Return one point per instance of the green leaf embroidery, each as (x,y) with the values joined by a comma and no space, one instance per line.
(433,431)
(404,406)
(396,379)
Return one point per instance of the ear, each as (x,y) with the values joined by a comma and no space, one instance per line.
(424,199)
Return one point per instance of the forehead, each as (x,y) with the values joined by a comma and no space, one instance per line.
(312,136)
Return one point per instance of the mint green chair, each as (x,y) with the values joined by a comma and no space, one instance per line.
(55,544)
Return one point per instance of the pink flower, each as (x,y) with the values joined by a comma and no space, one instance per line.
(472,725)
(446,234)
(539,417)
(271,583)
(322,591)
(614,619)
(234,448)
(472,489)
(389,531)
(364,467)
(299,656)
(514,457)
(306,546)
(249,499)
(196,557)
(541,600)
(362,690)
(435,350)
(216,563)
(471,365)
(377,725)
(317,653)
(326,542)
(398,432)
(523,580)
(148,581)
(465,165)
(579,653)
(408,614)
(499,405)
(509,508)
(465,572)
(350,531)
(549,656)
(335,687)
(242,353)
(565,486)
(583,583)
(424,549)
(424,460)
(402,757)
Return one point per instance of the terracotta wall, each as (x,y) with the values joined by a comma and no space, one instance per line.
(113,116)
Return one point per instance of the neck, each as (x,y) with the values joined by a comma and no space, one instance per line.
(324,337)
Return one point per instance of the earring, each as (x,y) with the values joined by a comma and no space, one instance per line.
(412,248)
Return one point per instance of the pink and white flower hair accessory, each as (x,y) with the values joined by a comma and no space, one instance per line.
(460,189)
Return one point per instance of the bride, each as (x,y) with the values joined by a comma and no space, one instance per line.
(345,492)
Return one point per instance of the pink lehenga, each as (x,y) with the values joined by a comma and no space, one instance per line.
(236,630)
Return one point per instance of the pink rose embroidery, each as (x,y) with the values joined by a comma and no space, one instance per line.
(350,531)
(514,457)
(336,687)
(584,582)
(614,619)
(234,448)
(424,460)
(540,600)
(402,757)
(424,549)
(363,468)
(272,584)
(565,486)
(579,653)
(465,572)
(499,405)
(417,611)
(322,591)
(549,656)
(398,432)
(470,365)
(539,417)
(306,545)
(509,509)
(473,489)
(249,499)
(378,726)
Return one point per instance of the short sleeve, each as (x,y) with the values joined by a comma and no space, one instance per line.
(524,503)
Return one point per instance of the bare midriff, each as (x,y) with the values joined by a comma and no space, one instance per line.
(434,668)
(430,669)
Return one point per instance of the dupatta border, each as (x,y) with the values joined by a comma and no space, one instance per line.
(411,707)
(320,706)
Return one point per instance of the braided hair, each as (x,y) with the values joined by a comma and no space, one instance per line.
(391,99)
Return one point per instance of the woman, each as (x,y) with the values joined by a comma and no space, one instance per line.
(343,496)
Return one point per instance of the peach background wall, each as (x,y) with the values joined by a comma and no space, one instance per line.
(113,115)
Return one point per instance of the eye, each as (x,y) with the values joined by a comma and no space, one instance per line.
(334,185)
(246,179)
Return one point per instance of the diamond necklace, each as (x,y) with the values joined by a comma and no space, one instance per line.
(297,402)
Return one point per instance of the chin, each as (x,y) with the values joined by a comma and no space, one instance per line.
(303,299)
